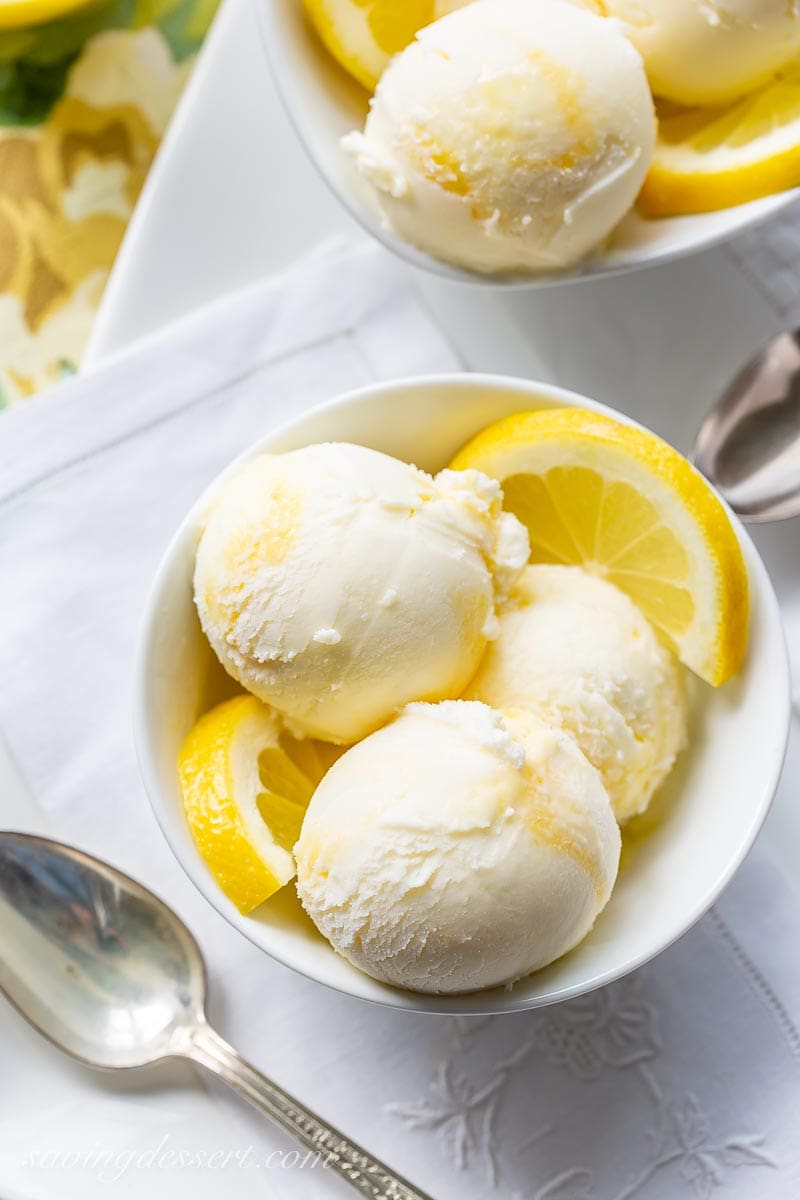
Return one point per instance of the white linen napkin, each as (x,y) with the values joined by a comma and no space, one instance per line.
(770,258)
(682,1080)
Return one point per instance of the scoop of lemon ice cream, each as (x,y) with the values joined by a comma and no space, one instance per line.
(337,583)
(712,51)
(576,651)
(456,849)
(511,136)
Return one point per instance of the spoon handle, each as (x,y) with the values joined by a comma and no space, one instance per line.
(366,1174)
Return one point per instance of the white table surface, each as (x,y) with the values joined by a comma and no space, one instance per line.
(231,198)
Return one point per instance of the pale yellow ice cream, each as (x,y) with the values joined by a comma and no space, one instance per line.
(455,850)
(337,583)
(511,136)
(710,51)
(577,652)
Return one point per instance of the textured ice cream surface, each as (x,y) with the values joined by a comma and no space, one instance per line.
(337,583)
(577,652)
(510,136)
(457,849)
(710,51)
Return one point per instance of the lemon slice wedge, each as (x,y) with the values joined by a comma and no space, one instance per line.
(17,14)
(712,158)
(620,502)
(246,785)
(362,35)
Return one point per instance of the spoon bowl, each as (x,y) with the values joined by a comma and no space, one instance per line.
(749,445)
(324,103)
(92,959)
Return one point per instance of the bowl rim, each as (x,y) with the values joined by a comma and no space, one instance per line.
(596,266)
(495,1000)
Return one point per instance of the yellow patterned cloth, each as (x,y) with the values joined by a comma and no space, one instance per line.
(84,102)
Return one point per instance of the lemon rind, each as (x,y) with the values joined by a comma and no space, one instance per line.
(715,644)
(218,771)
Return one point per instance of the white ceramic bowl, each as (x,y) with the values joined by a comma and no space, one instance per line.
(323,103)
(715,802)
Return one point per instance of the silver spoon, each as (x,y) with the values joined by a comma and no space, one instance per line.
(749,445)
(108,973)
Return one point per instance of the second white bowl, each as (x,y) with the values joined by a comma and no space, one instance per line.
(323,103)
(713,804)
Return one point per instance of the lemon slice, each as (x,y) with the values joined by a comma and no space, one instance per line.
(711,158)
(362,35)
(623,504)
(16,14)
(246,786)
